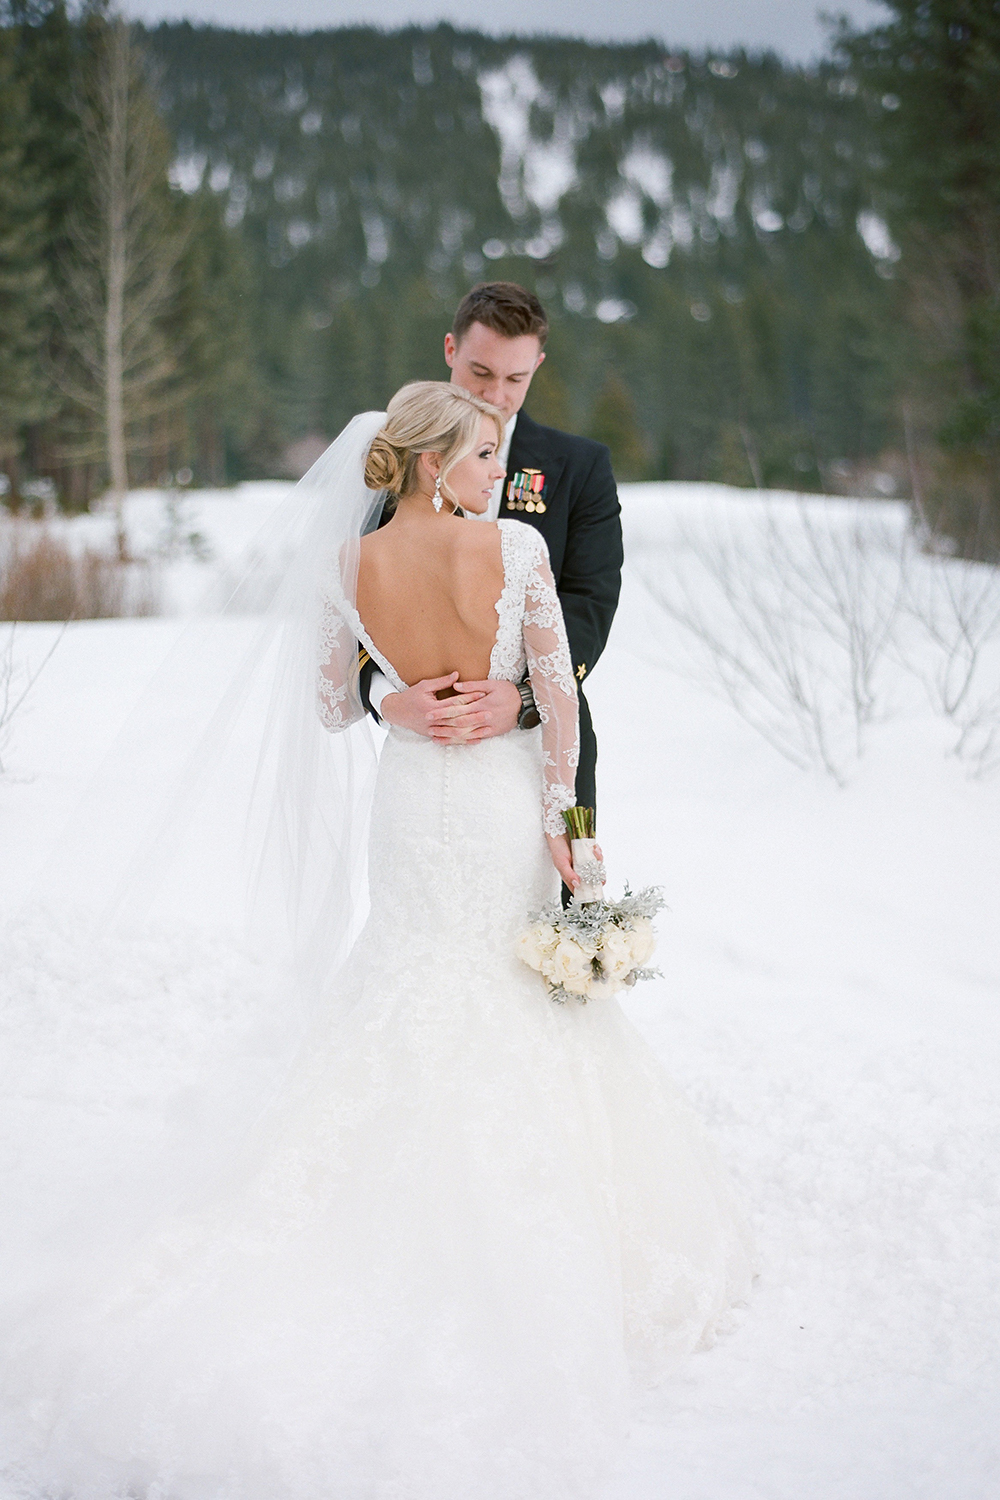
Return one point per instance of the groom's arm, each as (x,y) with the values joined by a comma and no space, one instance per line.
(370,685)
(590,578)
(483,709)
(373,686)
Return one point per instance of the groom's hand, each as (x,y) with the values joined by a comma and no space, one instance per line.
(420,709)
(495,711)
(476,711)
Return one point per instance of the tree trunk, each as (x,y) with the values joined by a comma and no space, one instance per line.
(116,274)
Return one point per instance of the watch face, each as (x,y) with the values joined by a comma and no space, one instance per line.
(529,718)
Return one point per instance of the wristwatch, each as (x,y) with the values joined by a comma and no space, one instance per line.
(529,717)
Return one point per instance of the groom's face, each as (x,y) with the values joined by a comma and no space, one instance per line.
(494,367)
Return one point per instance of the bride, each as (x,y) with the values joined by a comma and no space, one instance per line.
(475,1214)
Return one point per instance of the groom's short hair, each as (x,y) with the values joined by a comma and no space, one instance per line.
(507,308)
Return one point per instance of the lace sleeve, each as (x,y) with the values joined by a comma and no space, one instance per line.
(337,701)
(550,669)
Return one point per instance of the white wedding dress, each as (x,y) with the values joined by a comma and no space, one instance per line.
(473,1216)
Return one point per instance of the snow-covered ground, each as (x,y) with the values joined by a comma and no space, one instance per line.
(830,999)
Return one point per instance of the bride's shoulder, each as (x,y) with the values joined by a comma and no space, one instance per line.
(519,530)
(482,538)
(526,539)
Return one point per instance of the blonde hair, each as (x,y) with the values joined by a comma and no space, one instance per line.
(426,416)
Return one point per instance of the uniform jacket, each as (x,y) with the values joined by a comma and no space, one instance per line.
(575,506)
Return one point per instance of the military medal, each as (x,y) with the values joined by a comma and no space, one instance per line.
(526,491)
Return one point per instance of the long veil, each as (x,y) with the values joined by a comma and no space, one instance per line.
(162,973)
(225,803)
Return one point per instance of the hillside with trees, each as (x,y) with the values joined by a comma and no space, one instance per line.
(691,225)
(726,270)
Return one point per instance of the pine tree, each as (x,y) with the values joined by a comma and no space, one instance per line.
(211,323)
(548,398)
(25,290)
(39,180)
(931,80)
(613,421)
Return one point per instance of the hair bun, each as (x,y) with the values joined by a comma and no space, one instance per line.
(385,465)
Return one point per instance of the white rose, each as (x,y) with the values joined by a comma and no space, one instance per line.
(529,948)
(616,954)
(548,935)
(642,939)
(536,944)
(570,966)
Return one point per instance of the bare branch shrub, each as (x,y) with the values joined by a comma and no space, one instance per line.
(847,576)
(787,617)
(41,578)
(978,743)
(956,606)
(15,687)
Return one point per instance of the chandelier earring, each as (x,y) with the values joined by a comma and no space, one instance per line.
(438,498)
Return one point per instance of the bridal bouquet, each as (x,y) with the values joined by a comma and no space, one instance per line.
(592,948)
(595,949)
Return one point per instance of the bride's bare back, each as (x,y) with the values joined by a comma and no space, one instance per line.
(427,596)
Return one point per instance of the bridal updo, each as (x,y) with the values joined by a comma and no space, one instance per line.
(426,416)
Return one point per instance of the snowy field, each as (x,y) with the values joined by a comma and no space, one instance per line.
(831,989)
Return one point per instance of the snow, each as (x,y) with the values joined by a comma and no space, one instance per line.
(875,232)
(643,171)
(624,214)
(531,170)
(829,1001)
(650,171)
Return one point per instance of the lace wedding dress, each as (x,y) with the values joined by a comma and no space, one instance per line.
(474,1212)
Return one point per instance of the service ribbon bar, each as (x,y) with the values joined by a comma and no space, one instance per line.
(526,491)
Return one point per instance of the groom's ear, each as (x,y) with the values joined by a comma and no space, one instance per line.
(450,349)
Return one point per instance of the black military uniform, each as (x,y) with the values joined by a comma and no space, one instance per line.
(563,486)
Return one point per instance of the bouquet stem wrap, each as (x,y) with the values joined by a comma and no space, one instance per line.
(590,870)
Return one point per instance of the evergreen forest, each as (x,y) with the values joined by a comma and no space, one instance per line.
(758,273)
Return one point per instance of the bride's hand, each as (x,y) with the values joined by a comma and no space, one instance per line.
(559,848)
(562,859)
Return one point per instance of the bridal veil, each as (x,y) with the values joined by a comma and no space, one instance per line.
(249,815)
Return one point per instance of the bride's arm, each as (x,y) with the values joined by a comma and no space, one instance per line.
(550,669)
(338,702)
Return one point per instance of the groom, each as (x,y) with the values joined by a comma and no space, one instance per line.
(560,484)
